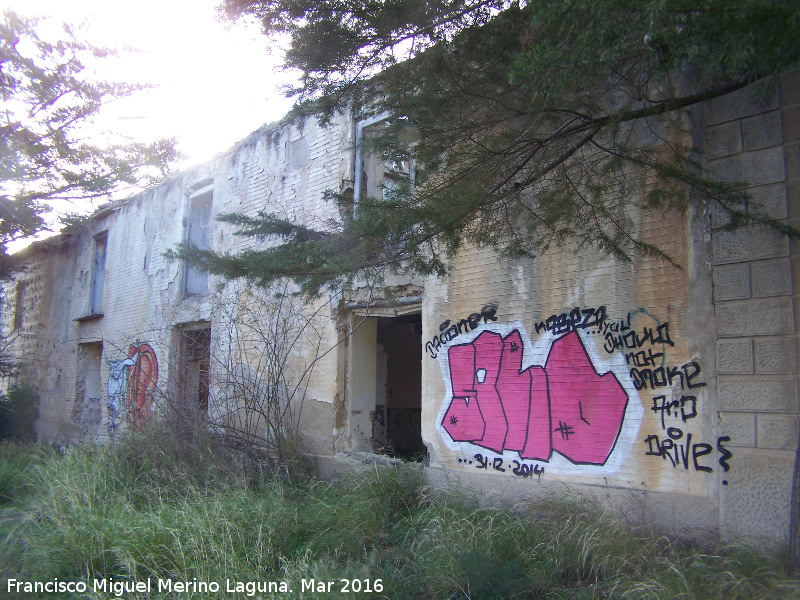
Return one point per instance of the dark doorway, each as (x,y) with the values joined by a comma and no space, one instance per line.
(195,354)
(398,418)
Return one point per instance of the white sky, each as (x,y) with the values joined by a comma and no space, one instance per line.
(217,82)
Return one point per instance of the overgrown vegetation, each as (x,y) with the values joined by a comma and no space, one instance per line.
(19,409)
(247,382)
(150,507)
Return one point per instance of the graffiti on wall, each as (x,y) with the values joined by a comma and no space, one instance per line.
(565,406)
(569,400)
(555,401)
(578,318)
(130,386)
(677,446)
(116,387)
(448,330)
(497,463)
(646,350)
(141,382)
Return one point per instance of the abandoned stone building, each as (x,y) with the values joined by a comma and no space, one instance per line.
(669,394)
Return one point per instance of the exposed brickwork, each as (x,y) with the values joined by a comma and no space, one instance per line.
(678,406)
(143,292)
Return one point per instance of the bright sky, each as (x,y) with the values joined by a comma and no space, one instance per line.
(217,82)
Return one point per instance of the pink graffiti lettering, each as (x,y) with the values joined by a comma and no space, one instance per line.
(567,406)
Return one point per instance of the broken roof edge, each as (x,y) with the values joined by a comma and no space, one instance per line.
(62,237)
(200,170)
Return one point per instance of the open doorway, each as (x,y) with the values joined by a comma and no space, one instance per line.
(194,355)
(397,424)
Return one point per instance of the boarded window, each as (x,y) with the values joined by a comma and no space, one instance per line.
(198,233)
(98,274)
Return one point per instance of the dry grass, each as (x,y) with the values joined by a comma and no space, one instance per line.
(140,510)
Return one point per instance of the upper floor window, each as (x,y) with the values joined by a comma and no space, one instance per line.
(98,274)
(198,234)
(376,173)
(19,305)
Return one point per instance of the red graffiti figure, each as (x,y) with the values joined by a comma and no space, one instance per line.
(567,406)
(142,381)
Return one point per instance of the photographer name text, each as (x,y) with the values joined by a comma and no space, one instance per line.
(118,588)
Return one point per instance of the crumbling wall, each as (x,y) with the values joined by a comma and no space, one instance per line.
(282,169)
(669,392)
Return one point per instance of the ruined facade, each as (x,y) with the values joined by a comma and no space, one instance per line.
(670,394)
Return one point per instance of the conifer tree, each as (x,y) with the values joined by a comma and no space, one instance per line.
(45,155)
(534,123)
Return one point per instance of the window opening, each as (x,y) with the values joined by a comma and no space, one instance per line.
(98,274)
(19,305)
(198,233)
(374,174)
(89,386)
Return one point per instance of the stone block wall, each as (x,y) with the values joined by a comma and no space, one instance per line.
(752,136)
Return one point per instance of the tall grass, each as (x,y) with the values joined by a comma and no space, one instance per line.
(144,510)
(16,461)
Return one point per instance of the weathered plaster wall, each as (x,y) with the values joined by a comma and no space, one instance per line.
(669,393)
(280,169)
(589,372)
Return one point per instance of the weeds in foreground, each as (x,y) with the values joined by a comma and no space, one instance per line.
(140,511)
